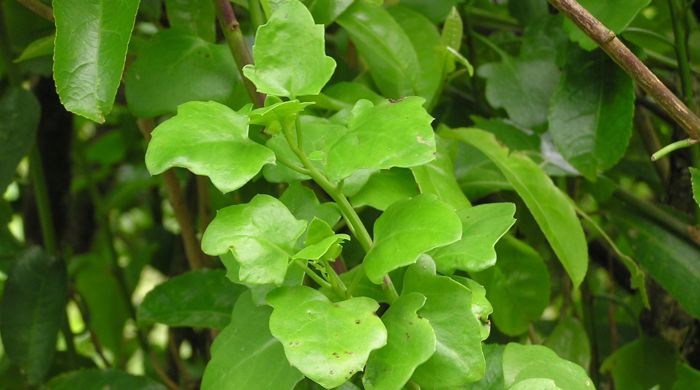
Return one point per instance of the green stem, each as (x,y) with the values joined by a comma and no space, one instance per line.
(336,282)
(682,144)
(313,275)
(679,35)
(256,14)
(490,19)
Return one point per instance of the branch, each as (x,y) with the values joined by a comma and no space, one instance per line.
(234,37)
(38,8)
(617,50)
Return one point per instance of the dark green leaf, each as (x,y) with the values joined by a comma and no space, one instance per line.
(408,229)
(94,379)
(325,11)
(527,11)
(687,377)
(493,379)
(32,312)
(297,67)
(549,206)
(328,342)
(175,67)
(522,362)
(482,227)
(20,113)
(614,15)
(517,287)
(39,48)
(260,234)
(201,299)
(570,341)
(458,359)
(642,364)
(91,43)
(209,139)
(246,356)
(194,16)
(695,180)
(411,341)
(436,10)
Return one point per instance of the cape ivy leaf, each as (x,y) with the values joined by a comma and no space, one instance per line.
(411,342)
(482,227)
(385,188)
(321,242)
(261,234)
(458,359)
(209,139)
(328,342)
(521,362)
(289,54)
(302,202)
(437,177)
(535,384)
(408,229)
(481,307)
(614,15)
(393,134)
(277,115)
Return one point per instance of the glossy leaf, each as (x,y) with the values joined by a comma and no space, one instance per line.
(667,258)
(277,115)
(194,16)
(644,363)
(325,11)
(408,229)
(458,359)
(451,37)
(590,118)
(297,67)
(201,299)
(482,227)
(328,342)
(321,242)
(209,139)
(260,234)
(176,67)
(90,49)
(695,180)
(94,379)
(614,15)
(411,341)
(437,177)
(392,134)
(481,307)
(245,355)
(517,286)
(493,378)
(570,341)
(302,202)
(385,188)
(522,362)
(385,46)
(549,206)
(32,312)
(535,384)
(20,112)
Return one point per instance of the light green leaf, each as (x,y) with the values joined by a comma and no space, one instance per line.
(325,11)
(321,242)
(522,362)
(100,379)
(517,287)
(493,378)
(260,234)
(590,118)
(645,363)
(194,16)
(39,48)
(408,229)
(328,342)
(299,66)
(302,202)
(209,139)
(90,49)
(277,115)
(570,341)
(437,177)
(686,377)
(387,135)
(20,113)
(385,188)
(32,311)
(535,384)
(695,181)
(451,37)
(549,206)
(201,299)
(411,341)
(481,307)
(614,15)
(385,46)
(482,227)
(262,365)
(175,67)
(458,359)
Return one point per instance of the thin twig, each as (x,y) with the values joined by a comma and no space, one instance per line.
(38,8)
(622,55)
(651,141)
(672,147)
(195,257)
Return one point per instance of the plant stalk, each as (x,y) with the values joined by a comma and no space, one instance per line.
(39,8)
(622,55)
(681,46)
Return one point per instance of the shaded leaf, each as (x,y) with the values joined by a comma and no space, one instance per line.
(20,113)
(570,341)
(39,48)
(302,202)
(549,206)
(90,49)
(614,15)
(458,359)
(642,364)
(299,66)
(436,10)
(493,379)
(482,227)
(201,299)
(325,11)
(408,229)
(328,342)
(260,234)
(411,341)
(194,16)
(209,139)
(385,188)
(96,379)
(246,356)
(437,177)
(522,362)
(695,180)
